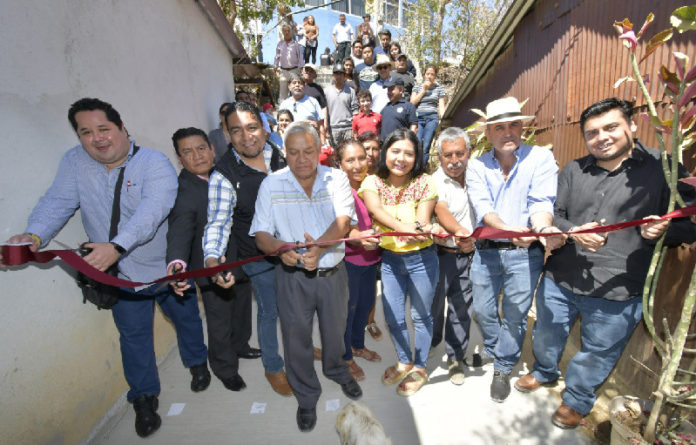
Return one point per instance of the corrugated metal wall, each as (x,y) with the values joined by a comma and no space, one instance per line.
(565,55)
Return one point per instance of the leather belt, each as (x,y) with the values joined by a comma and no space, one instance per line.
(503,245)
(452,250)
(288,69)
(321,273)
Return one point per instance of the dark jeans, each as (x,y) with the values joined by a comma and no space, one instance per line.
(134,315)
(455,286)
(362,289)
(310,51)
(342,51)
(427,124)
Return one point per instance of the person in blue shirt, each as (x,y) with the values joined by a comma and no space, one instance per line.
(86,179)
(512,187)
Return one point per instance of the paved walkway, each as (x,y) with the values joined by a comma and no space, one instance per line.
(439,414)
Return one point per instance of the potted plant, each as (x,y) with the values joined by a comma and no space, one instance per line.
(677,373)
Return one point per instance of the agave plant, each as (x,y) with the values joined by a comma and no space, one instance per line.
(677,376)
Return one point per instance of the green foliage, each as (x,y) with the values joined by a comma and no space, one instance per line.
(684,18)
(451,29)
(246,11)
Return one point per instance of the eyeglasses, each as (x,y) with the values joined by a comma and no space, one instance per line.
(383,67)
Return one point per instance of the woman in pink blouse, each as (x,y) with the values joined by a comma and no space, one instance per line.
(361,262)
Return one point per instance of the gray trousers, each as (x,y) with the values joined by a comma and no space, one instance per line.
(299,297)
(455,286)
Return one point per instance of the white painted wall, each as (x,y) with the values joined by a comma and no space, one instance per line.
(163,66)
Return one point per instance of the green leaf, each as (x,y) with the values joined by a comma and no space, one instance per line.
(657,40)
(624,79)
(684,18)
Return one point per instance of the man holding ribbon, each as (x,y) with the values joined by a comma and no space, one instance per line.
(600,276)
(301,204)
(512,187)
(87,178)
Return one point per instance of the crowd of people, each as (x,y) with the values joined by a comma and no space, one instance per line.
(368,60)
(240,195)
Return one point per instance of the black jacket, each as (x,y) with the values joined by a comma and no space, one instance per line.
(187,222)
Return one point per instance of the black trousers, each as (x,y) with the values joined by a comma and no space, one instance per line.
(455,286)
(228,318)
(299,297)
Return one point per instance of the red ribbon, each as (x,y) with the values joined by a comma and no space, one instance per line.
(16,255)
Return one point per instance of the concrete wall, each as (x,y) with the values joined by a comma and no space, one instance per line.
(163,66)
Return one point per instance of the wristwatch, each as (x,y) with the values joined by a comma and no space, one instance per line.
(118,248)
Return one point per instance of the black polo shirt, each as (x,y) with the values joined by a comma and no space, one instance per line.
(397,115)
(586,193)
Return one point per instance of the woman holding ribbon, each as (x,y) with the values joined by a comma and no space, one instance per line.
(362,257)
(401,197)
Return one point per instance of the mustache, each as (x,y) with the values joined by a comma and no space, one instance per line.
(459,164)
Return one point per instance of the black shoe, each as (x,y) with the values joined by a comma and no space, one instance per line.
(249,353)
(500,386)
(235,383)
(200,377)
(306,418)
(352,390)
(476,360)
(147,421)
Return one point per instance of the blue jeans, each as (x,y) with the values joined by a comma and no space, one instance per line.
(262,275)
(516,272)
(134,314)
(427,124)
(362,290)
(606,327)
(414,274)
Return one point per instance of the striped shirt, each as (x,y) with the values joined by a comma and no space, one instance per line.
(222,198)
(431,98)
(284,210)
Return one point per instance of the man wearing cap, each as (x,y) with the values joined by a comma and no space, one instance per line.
(384,39)
(398,113)
(400,72)
(289,58)
(366,74)
(378,89)
(597,277)
(512,187)
(342,104)
(303,107)
(342,37)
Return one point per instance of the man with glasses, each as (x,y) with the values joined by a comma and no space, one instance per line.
(378,89)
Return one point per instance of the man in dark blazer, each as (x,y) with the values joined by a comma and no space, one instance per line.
(228,311)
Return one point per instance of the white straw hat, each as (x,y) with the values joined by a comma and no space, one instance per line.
(505,110)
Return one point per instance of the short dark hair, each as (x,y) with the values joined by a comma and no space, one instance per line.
(342,147)
(368,136)
(384,32)
(244,106)
(222,108)
(364,93)
(430,65)
(288,112)
(604,106)
(92,104)
(357,41)
(182,133)
(401,134)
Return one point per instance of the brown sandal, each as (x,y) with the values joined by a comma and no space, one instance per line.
(395,373)
(370,356)
(355,370)
(374,330)
(412,383)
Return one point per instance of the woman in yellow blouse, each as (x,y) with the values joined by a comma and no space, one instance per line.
(401,197)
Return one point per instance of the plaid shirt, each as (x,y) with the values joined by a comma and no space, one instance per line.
(221,201)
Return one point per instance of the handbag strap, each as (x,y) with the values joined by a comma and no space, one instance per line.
(116,208)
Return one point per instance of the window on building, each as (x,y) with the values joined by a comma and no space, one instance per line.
(314,2)
(354,7)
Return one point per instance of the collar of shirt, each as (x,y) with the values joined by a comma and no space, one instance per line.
(267,153)
(637,155)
